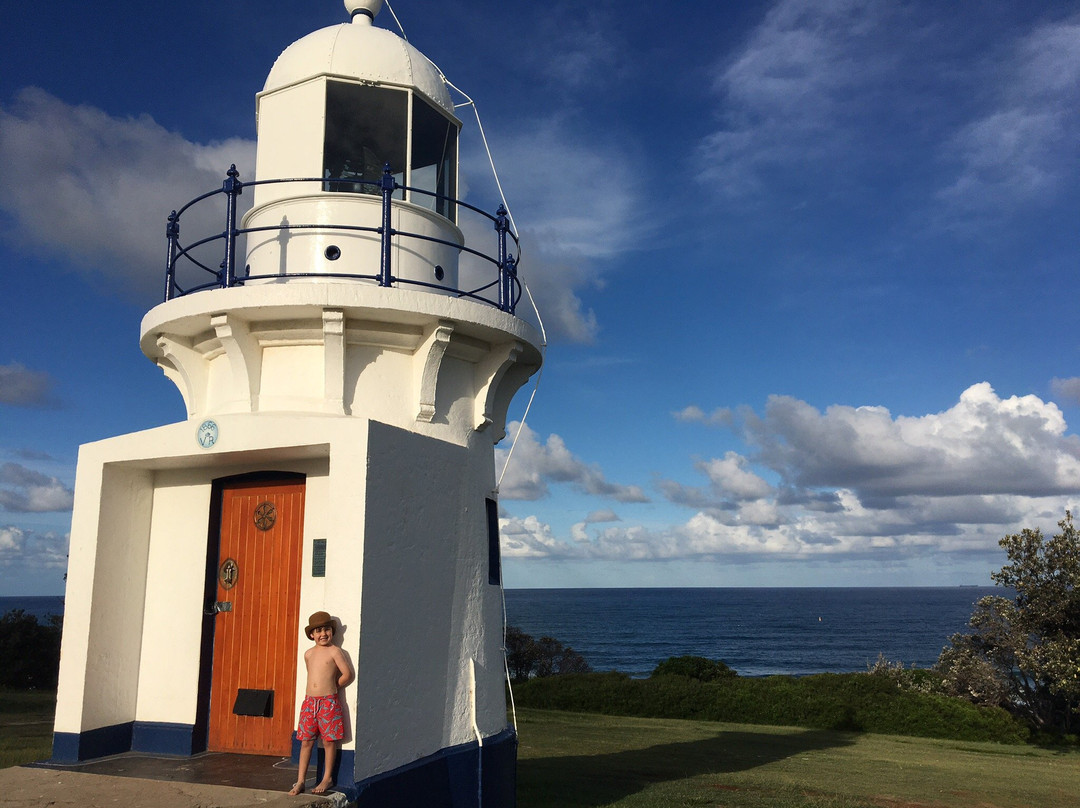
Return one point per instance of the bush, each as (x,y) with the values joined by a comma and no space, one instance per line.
(855,702)
(694,667)
(29,650)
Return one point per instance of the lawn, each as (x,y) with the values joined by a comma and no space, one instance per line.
(26,721)
(574,760)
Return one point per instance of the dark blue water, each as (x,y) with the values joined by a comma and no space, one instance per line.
(757,632)
(40,607)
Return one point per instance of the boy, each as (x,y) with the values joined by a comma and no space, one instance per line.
(320,714)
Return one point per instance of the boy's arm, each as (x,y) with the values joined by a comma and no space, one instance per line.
(345,673)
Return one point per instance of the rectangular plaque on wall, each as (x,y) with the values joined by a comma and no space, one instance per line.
(318,558)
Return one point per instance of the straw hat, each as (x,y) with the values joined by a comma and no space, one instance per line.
(318,620)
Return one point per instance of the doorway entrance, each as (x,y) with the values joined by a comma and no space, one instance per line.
(253,678)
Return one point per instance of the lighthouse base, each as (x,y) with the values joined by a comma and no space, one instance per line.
(464,776)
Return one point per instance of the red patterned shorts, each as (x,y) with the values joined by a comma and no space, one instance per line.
(320,715)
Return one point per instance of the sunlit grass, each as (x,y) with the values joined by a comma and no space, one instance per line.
(576,760)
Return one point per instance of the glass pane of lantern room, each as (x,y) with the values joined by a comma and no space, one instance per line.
(365,129)
(434,158)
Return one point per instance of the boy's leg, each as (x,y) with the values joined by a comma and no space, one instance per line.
(329,755)
(305,759)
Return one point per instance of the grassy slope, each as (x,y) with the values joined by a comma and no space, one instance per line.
(574,760)
(26,720)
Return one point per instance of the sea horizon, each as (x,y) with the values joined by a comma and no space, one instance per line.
(757,631)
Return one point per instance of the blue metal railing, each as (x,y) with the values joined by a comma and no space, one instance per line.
(504,287)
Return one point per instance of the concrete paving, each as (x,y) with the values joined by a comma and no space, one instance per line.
(210,780)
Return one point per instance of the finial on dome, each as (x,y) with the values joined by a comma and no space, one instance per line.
(366,9)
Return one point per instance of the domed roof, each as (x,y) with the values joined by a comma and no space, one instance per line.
(359,50)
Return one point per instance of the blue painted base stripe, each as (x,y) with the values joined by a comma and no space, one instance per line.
(449,778)
(71,747)
(162,739)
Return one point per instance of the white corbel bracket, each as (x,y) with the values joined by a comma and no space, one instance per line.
(187,369)
(430,355)
(244,356)
(333,324)
(490,373)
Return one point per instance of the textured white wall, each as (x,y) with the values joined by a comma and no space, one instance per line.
(424,590)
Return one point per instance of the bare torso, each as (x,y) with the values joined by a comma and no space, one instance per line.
(327,670)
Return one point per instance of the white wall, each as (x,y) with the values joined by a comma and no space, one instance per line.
(424,583)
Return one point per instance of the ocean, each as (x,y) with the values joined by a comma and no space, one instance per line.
(757,632)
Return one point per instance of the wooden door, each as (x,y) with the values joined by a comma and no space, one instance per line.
(253,683)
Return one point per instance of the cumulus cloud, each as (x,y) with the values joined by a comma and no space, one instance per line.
(24,490)
(856,483)
(31,548)
(96,189)
(1013,153)
(982,445)
(25,388)
(693,414)
(535,465)
(1067,389)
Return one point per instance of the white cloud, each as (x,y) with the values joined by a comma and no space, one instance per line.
(24,490)
(693,414)
(1014,153)
(859,483)
(731,476)
(535,465)
(24,547)
(790,93)
(25,388)
(529,538)
(566,233)
(982,445)
(97,189)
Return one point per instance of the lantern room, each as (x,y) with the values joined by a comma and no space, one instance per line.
(345,110)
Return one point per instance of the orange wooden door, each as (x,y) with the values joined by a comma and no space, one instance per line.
(255,634)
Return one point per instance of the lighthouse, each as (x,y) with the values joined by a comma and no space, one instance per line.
(346,358)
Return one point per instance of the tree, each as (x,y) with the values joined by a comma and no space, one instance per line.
(1023,652)
(528,658)
(29,651)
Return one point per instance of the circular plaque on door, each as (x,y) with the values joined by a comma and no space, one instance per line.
(265,515)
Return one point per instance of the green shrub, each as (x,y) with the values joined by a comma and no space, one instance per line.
(855,702)
(694,667)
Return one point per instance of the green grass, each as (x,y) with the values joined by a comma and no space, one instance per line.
(850,702)
(575,760)
(26,722)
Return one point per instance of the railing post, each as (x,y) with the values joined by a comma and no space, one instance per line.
(172,235)
(502,227)
(386,184)
(510,281)
(232,188)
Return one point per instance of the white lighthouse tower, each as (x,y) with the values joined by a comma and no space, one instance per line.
(344,388)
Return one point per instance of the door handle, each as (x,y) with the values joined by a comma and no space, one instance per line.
(219,606)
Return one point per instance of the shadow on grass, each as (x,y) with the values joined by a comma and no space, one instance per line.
(587,781)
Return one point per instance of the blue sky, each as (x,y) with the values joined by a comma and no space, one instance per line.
(808,268)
